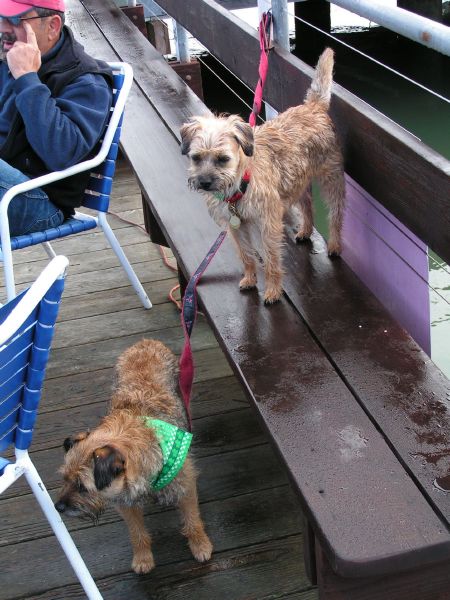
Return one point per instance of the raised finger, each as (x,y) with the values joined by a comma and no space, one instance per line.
(31,36)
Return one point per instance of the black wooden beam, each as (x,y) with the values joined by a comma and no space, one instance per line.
(410,179)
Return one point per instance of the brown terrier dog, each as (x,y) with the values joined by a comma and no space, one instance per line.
(122,461)
(251,178)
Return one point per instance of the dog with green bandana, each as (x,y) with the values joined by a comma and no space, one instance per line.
(138,452)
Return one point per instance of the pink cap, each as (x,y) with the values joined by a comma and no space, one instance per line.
(11,8)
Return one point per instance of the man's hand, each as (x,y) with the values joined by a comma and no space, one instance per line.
(24,57)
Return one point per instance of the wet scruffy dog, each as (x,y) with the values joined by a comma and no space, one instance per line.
(134,454)
(251,178)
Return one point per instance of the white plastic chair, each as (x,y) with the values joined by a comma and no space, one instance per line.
(96,196)
(26,331)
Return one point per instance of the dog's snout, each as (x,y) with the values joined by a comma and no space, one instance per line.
(60,506)
(205,183)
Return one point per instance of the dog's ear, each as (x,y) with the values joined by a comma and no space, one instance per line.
(74,439)
(108,464)
(243,133)
(188,131)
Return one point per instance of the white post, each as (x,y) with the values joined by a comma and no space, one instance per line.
(280,23)
(131,3)
(182,43)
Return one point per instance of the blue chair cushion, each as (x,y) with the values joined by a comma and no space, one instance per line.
(3,463)
(69,227)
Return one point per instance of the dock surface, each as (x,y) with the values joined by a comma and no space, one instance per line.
(252,516)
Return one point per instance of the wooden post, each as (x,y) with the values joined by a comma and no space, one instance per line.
(158,35)
(191,74)
(189,70)
(432,9)
(309,551)
(430,583)
(136,15)
(308,42)
(182,281)
(151,224)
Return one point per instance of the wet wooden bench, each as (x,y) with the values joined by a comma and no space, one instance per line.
(354,409)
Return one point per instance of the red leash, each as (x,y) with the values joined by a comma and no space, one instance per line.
(265,45)
(189,309)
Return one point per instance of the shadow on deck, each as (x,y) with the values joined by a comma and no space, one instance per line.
(250,513)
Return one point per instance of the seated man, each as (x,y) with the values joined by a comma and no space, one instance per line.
(54,103)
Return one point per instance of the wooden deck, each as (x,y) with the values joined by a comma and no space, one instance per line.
(252,516)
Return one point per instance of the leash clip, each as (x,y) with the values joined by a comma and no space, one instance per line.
(267,22)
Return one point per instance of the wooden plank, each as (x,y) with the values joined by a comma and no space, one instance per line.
(95,239)
(402,390)
(52,429)
(175,101)
(233,473)
(62,393)
(113,278)
(410,179)
(110,301)
(213,435)
(100,355)
(97,261)
(431,583)
(317,402)
(99,328)
(260,571)
(223,523)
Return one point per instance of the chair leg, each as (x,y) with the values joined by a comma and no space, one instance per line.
(60,530)
(124,260)
(48,248)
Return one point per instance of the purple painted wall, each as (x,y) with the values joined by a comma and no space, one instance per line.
(390,260)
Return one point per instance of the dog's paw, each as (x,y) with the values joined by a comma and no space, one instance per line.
(303,236)
(201,548)
(272,296)
(142,563)
(248,283)
(301,239)
(334,249)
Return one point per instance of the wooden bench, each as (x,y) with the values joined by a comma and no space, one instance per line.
(354,408)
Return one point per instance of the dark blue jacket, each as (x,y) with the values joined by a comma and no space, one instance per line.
(53,119)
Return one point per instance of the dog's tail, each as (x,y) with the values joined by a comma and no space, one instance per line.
(320,89)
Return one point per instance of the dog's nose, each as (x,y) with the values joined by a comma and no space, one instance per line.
(205,182)
(60,506)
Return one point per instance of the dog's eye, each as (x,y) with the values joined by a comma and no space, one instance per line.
(196,158)
(223,159)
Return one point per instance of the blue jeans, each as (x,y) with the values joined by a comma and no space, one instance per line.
(31,211)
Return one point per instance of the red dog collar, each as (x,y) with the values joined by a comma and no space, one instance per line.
(242,189)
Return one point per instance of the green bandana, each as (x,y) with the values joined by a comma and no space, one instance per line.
(175,443)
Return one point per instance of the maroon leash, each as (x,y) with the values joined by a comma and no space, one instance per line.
(189,308)
(188,317)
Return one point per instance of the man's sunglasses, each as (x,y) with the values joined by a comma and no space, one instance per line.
(16,21)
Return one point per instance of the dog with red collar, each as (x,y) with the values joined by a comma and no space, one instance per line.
(252,177)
